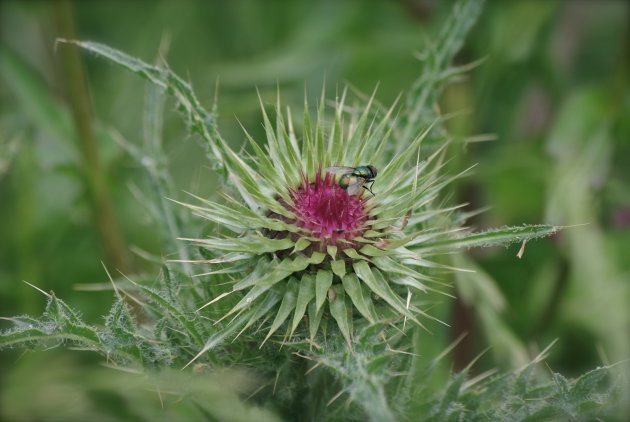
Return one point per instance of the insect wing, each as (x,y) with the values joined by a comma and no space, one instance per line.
(340,170)
(355,185)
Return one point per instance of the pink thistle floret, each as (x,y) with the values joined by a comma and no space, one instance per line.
(327,211)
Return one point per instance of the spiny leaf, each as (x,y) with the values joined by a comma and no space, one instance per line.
(323,281)
(301,244)
(389,265)
(338,267)
(120,321)
(306,293)
(437,56)
(314,319)
(494,237)
(339,312)
(583,387)
(263,308)
(375,281)
(370,250)
(251,244)
(220,336)
(359,299)
(199,119)
(60,312)
(287,305)
(357,137)
(172,310)
(81,334)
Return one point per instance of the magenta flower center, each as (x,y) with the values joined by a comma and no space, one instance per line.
(327,211)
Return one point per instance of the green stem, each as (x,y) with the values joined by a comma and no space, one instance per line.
(93,172)
(23,235)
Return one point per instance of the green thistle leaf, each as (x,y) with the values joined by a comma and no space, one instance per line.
(306,294)
(361,301)
(339,310)
(323,281)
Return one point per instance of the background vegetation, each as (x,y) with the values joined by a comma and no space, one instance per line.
(552,91)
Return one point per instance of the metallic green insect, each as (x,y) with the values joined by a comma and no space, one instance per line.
(354,178)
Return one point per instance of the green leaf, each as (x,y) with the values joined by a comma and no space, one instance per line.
(120,321)
(266,167)
(356,138)
(379,137)
(172,310)
(306,293)
(436,70)
(339,312)
(394,167)
(287,305)
(323,281)
(452,392)
(494,237)
(390,265)
(262,309)
(61,313)
(320,149)
(332,251)
(336,138)
(361,301)
(338,267)
(263,267)
(370,250)
(252,244)
(250,297)
(375,281)
(220,336)
(236,215)
(281,156)
(81,334)
(352,253)
(308,142)
(314,319)
(301,244)
(299,262)
(408,282)
(583,388)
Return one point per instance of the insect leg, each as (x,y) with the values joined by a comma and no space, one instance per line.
(369,189)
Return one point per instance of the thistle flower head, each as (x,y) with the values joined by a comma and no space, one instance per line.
(312,246)
(312,241)
(326,211)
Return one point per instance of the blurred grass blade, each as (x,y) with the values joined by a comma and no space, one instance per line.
(46,112)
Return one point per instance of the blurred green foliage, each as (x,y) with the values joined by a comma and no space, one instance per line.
(553,88)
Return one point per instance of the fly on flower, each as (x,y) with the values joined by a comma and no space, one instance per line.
(354,178)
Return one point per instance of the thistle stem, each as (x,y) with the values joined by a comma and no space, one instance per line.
(93,172)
